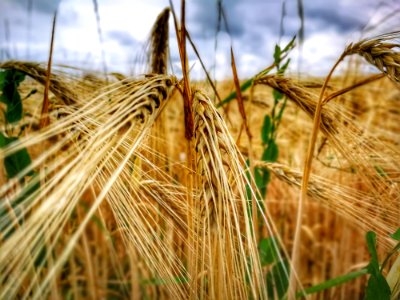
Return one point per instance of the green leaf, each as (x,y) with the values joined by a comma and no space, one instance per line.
(249,203)
(261,177)
(258,177)
(4,141)
(41,258)
(396,235)
(290,45)
(245,85)
(371,244)
(283,68)
(14,110)
(277,279)
(377,288)
(279,116)
(2,79)
(266,176)
(268,251)
(6,220)
(277,95)
(277,55)
(18,77)
(271,152)
(373,266)
(249,193)
(10,95)
(31,187)
(332,283)
(17,162)
(266,130)
(248,188)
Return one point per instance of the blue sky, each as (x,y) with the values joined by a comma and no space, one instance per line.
(254,27)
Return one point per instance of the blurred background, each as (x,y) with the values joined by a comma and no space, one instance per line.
(91,34)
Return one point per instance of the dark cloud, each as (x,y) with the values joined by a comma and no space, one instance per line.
(122,37)
(203,19)
(43,6)
(343,19)
(255,24)
(256,15)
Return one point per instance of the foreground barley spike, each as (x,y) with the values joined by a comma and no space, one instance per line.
(101,148)
(226,249)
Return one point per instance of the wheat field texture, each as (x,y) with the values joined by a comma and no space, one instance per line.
(159,187)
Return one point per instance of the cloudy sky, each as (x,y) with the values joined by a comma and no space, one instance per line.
(254,27)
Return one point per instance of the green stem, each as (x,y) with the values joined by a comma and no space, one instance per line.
(332,283)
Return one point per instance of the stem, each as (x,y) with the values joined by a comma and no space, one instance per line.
(352,87)
(390,254)
(239,95)
(44,119)
(192,252)
(304,185)
(204,67)
(187,95)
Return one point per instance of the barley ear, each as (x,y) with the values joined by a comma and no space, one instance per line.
(159,43)
(382,51)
